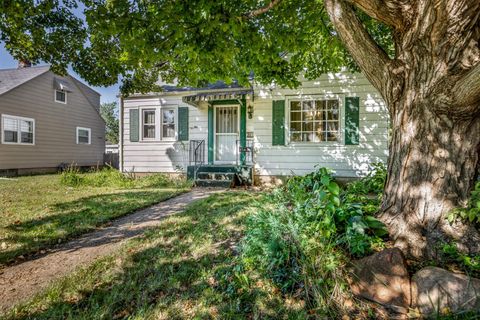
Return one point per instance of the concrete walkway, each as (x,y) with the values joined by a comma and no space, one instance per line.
(20,282)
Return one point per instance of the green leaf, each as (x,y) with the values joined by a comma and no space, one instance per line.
(333,188)
(472,214)
(325,180)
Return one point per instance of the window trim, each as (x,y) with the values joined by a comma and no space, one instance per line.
(142,124)
(55,96)
(89,135)
(175,120)
(158,123)
(19,130)
(312,97)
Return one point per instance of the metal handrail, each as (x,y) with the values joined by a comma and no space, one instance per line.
(197,157)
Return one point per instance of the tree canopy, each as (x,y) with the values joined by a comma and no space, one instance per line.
(192,42)
(109,112)
(422,56)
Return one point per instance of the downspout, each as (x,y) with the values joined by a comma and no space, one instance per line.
(120,139)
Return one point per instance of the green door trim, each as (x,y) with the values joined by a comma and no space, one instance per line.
(243,126)
(243,130)
(210,134)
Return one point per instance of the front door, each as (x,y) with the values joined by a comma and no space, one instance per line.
(226,133)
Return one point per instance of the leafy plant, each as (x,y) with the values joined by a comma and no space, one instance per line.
(470,263)
(71,177)
(303,235)
(111,177)
(472,212)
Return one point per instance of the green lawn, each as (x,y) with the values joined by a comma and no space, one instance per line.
(187,268)
(38,211)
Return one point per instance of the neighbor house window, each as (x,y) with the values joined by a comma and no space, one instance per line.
(314,120)
(61,96)
(168,124)
(148,124)
(18,130)
(84,135)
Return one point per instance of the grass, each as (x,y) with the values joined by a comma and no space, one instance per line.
(187,268)
(39,211)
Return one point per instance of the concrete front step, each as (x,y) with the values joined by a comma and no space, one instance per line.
(214,183)
(217,169)
(220,175)
(216,176)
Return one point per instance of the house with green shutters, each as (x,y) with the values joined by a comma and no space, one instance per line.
(224,134)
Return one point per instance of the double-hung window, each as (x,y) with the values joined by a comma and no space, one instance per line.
(314,120)
(168,124)
(158,124)
(18,130)
(84,135)
(148,124)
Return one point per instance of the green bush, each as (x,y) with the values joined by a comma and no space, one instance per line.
(71,177)
(110,177)
(304,235)
(469,262)
(472,212)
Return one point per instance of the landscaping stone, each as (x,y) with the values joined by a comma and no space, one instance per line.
(438,291)
(383,278)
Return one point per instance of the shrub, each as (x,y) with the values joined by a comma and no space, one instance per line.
(469,262)
(304,235)
(110,177)
(472,212)
(71,177)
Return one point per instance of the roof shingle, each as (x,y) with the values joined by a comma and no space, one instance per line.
(11,78)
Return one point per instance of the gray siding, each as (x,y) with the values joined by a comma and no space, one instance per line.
(55,126)
(92,95)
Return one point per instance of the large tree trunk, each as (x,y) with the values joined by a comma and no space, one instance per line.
(432,89)
(432,167)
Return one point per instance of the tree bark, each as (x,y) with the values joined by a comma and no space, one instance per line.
(433,164)
(432,91)
(434,151)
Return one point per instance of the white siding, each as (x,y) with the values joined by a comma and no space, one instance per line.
(293,158)
(161,156)
(301,158)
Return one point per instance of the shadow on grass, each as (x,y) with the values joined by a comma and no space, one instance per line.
(184,269)
(74,218)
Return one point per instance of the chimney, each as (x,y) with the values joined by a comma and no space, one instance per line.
(24,63)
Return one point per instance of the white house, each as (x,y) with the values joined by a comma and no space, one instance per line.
(224,133)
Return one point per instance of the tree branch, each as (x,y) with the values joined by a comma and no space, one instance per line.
(263,10)
(388,12)
(467,90)
(369,56)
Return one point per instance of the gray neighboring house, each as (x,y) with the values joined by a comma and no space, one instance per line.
(47,120)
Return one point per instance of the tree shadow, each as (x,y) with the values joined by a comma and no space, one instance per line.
(183,269)
(75,218)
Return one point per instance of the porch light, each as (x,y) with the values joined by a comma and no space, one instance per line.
(250,111)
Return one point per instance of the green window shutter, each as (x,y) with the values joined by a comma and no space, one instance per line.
(278,122)
(352,120)
(134,122)
(183,123)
